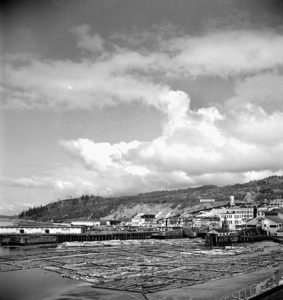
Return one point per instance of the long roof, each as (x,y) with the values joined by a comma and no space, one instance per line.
(275,219)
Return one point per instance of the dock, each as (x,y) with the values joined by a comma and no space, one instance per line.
(92,236)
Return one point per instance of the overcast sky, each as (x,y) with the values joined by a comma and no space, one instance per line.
(122,97)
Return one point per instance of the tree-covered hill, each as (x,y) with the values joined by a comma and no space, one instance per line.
(177,201)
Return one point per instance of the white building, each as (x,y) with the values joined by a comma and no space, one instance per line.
(143,220)
(213,222)
(206,200)
(87,223)
(237,217)
(214,212)
(279,232)
(40,230)
(262,212)
(271,224)
(276,203)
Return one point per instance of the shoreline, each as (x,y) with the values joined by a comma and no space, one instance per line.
(138,267)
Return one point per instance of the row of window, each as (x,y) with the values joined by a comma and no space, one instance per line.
(248,216)
(236,222)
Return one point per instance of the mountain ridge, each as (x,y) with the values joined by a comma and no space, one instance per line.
(181,201)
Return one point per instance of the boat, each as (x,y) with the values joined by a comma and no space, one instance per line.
(28,240)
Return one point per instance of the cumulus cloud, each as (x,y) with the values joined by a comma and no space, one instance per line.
(240,140)
(91,42)
(196,147)
(123,74)
(227,52)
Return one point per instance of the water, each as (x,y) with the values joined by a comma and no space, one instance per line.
(34,284)
(22,250)
(7,222)
(7,250)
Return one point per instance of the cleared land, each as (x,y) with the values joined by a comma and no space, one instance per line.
(151,266)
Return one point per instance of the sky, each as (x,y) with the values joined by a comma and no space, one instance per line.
(121,97)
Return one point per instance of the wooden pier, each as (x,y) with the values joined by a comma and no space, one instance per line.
(243,236)
(93,236)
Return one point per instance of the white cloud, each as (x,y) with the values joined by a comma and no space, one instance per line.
(241,139)
(27,182)
(227,52)
(93,43)
(99,156)
(121,74)
(195,147)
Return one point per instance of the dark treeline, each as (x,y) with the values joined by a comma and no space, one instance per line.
(90,206)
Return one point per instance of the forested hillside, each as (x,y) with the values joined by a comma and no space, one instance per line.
(175,201)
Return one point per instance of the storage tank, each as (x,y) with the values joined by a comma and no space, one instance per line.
(232,201)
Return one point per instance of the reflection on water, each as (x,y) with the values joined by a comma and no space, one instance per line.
(34,284)
(7,222)
(22,250)
(8,250)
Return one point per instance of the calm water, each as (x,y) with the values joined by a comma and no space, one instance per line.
(6,222)
(34,284)
(37,284)
(5,250)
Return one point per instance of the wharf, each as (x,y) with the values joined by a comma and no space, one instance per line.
(151,266)
(230,238)
(92,236)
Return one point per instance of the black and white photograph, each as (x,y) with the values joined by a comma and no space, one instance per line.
(141,149)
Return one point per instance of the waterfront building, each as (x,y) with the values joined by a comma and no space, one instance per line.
(237,217)
(219,232)
(276,203)
(41,230)
(270,224)
(279,232)
(172,221)
(213,222)
(214,212)
(270,212)
(143,220)
(113,222)
(261,211)
(88,223)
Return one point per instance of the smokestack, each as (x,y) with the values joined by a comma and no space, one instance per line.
(232,201)
(255,211)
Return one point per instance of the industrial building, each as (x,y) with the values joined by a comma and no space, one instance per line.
(41,230)
(238,216)
(143,220)
(270,224)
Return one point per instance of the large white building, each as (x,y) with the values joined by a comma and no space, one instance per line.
(41,230)
(214,212)
(87,223)
(237,217)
